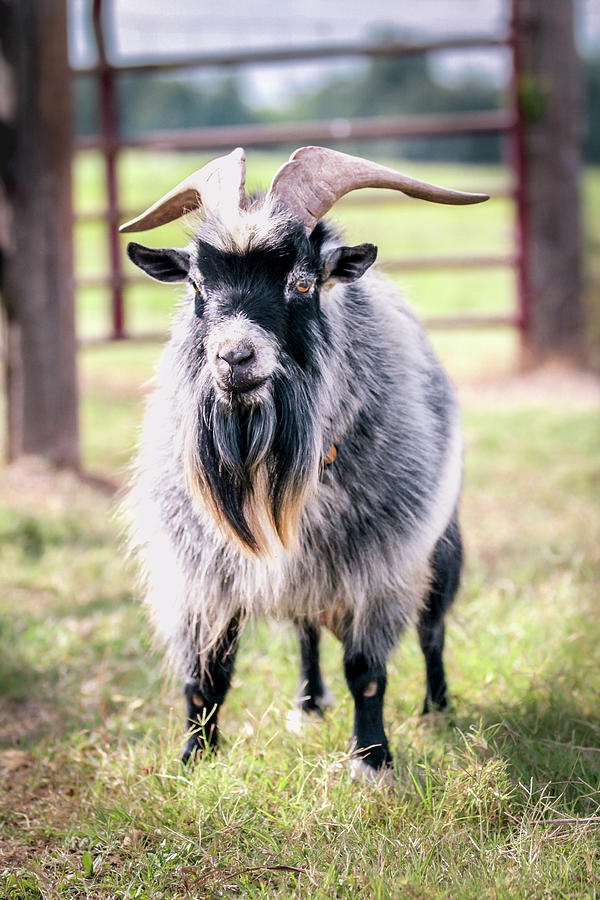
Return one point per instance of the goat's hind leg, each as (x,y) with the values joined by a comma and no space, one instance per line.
(205,692)
(446,565)
(312,695)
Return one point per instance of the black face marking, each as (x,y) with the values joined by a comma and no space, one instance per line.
(260,284)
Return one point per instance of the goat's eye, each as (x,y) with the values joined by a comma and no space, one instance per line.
(303,286)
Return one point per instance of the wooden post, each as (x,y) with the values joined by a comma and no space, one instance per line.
(548,137)
(36,276)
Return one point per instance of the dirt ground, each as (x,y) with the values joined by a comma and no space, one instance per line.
(552,385)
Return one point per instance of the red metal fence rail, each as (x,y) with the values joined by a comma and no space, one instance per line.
(110,141)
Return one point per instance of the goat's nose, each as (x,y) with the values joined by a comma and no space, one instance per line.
(235,366)
(238,357)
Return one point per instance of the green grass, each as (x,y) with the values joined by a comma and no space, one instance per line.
(500,799)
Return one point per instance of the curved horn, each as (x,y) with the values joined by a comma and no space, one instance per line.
(314,178)
(218,187)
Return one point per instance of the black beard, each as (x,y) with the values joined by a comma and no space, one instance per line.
(255,465)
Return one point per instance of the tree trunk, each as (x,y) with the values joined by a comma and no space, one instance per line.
(36,275)
(549,94)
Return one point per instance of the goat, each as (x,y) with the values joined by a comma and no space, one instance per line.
(302,454)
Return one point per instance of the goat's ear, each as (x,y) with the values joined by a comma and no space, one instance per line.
(162,265)
(348,263)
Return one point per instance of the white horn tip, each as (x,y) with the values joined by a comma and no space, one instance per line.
(127,226)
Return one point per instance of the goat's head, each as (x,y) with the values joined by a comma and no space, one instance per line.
(258,347)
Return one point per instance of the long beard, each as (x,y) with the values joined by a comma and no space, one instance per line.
(254,467)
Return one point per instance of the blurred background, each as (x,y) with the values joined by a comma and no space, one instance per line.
(501,96)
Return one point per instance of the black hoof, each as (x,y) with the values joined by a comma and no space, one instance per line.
(376,757)
(199,743)
(361,769)
(190,750)
(432,706)
(310,708)
(317,704)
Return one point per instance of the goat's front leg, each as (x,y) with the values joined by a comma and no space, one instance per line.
(205,692)
(367,683)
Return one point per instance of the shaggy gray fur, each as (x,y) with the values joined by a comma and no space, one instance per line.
(367,532)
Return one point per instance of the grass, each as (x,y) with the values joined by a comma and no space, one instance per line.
(499,799)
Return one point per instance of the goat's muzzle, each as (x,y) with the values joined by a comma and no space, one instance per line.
(236,367)
(241,356)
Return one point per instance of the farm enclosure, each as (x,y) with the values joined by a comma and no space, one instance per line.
(500,799)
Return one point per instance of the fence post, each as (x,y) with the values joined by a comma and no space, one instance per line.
(548,135)
(36,272)
(110,147)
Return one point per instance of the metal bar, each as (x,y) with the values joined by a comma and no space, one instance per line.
(299,53)
(470,321)
(110,145)
(141,337)
(447,262)
(114,282)
(433,322)
(328,131)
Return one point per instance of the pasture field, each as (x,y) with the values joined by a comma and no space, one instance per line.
(498,799)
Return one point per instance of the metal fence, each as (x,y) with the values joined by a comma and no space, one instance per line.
(505,121)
